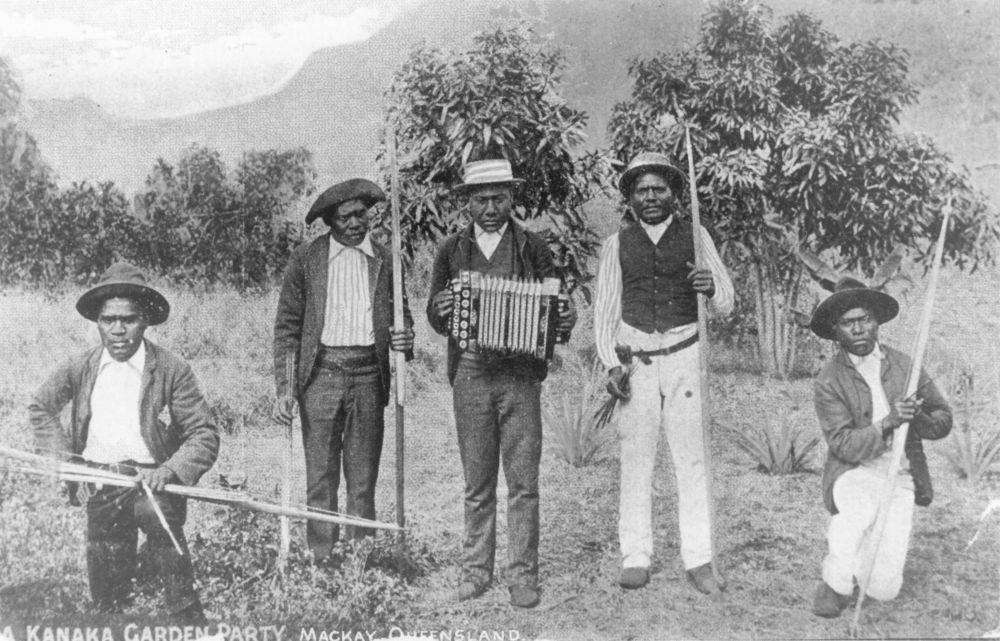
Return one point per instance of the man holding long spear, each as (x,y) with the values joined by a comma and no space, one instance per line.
(118,392)
(645,320)
(335,316)
(861,402)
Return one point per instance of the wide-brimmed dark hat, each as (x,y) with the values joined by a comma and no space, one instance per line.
(850,293)
(365,190)
(480,173)
(123,280)
(652,162)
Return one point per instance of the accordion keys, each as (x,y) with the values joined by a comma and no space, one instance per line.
(506,316)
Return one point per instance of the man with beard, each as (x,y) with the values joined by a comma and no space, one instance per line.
(645,319)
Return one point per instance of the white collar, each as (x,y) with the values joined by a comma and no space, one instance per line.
(365,247)
(659,227)
(480,232)
(136,362)
(876,355)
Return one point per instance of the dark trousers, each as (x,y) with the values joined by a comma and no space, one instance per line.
(498,418)
(341,417)
(114,517)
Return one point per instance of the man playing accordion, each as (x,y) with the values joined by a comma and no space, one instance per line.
(496,397)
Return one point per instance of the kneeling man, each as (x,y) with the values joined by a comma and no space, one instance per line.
(119,391)
(860,403)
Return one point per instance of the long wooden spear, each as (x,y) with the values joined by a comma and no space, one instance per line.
(80,473)
(706,415)
(899,438)
(399,324)
(286,476)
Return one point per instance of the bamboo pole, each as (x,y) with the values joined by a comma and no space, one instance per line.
(286,476)
(706,415)
(399,324)
(899,438)
(45,466)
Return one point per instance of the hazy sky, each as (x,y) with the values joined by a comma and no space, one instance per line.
(150,58)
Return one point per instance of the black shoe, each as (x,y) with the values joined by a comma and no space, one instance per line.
(828,603)
(703,580)
(523,596)
(193,614)
(634,578)
(469,590)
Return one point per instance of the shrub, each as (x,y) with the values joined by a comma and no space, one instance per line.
(574,420)
(776,451)
(974,451)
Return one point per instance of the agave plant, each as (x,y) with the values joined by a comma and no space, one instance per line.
(575,422)
(777,451)
(974,452)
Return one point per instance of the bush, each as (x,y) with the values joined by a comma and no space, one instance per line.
(776,451)
(974,451)
(579,436)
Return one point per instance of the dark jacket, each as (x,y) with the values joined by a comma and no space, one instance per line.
(532,259)
(844,408)
(298,323)
(188,446)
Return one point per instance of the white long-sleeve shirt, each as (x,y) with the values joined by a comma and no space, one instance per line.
(609,329)
(348,318)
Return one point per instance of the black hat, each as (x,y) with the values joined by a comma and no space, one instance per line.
(123,280)
(848,294)
(365,190)
(652,162)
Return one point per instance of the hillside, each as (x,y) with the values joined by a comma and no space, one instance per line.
(333,104)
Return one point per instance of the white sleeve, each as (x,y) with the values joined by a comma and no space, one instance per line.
(721,303)
(608,302)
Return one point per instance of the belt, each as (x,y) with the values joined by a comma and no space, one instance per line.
(626,353)
(346,358)
(128,468)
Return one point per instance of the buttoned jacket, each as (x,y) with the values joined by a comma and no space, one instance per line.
(301,313)
(844,408)
(188,444)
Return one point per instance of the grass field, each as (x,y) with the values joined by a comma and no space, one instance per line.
(770,529)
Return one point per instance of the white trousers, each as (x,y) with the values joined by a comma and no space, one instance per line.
(666,396)
(851,536)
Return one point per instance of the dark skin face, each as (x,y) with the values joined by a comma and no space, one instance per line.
(857,331)
(121,325)
(490,206)
(652,200)
(348,222)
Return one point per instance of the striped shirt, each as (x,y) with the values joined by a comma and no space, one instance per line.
(348,318)
(609,329)
(114,433)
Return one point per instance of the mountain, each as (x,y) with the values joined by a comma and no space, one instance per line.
(333,105)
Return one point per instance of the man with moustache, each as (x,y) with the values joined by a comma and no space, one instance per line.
(860,403)
(496,400)
(335,317)
(645,320)
(119,392)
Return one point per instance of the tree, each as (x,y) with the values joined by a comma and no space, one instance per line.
(499,99)
(206,224)
(796,148)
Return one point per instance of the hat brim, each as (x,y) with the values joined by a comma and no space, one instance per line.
(882,305)
(151,301)
(313,214)
(674,176)
(465,188)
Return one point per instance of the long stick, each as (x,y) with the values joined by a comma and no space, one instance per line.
(286,476)
(46,466)
(706,416)
(161,516)
(899,438)
(399,324)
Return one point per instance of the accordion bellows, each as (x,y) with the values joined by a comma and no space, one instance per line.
(505,316)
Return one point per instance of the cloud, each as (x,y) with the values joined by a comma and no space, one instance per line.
(161,71)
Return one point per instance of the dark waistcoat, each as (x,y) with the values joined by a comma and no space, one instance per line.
(656,293)
(501,263)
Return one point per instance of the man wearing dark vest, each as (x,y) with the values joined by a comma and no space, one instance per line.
(645,318)
(496,400)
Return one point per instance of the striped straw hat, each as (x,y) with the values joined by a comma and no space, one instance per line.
(487,172)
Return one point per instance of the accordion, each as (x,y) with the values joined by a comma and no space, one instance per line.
(504,316)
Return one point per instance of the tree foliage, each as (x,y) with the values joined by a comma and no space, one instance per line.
(499,99)
(207,224)
(796,146)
